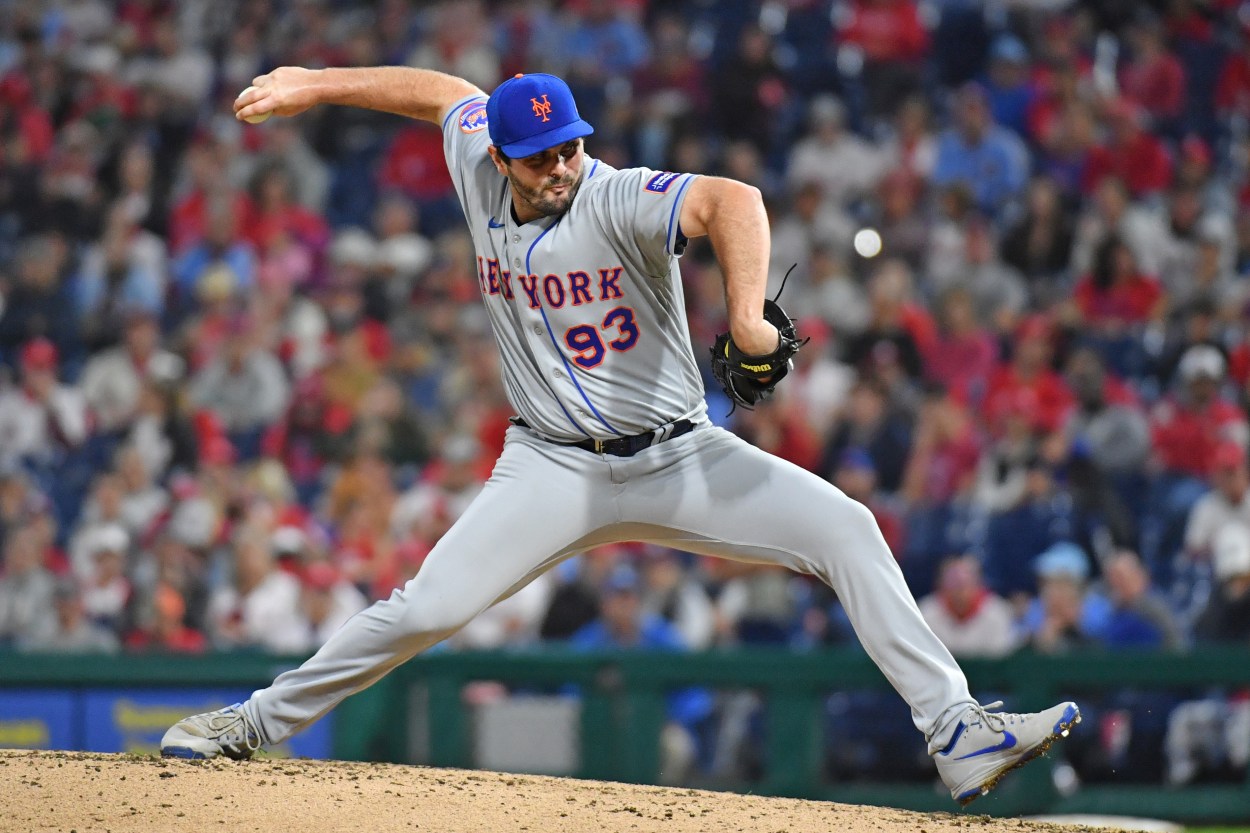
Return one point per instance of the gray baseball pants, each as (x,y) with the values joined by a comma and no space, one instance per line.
(707,491)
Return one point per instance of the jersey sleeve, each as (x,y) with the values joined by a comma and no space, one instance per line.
(465,139)
(643,208)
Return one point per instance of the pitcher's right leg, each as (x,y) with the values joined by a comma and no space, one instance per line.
(540,500)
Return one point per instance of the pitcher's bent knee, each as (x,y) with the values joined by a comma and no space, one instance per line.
(422,615)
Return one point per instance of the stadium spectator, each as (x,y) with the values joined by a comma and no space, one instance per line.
(1154,77)
(1116,296)
(970,619)
(326,601)
(1028,381)
(985,157)
(1213,735)
(810,223)
(823,383)
(1039,244)
(750,82)
(782,428)
(279,220)
(901,219)
(1232,93)
(1188,227)
(1226,617)
(1064,616)
(68,630)
(1139,617)
(1228,502)
(997,290)
(105,591)
(891,39)
(1043,518)
(1008,84)
(222,250)
(911,147)
(1131,154)
(113,379)
(43,419)
(1107,422)
(261,608)
(843,165)
(674,593)
(245,388)
(1189,427)
(39,303)
(26,587)
(871,423)
(125,271)
(167,630)
(898,328)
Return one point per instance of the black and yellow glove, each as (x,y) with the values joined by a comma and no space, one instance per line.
(750,379)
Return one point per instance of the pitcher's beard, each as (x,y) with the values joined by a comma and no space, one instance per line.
(545,202)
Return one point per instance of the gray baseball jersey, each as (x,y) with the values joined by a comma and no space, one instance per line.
(587,309)
(587,306)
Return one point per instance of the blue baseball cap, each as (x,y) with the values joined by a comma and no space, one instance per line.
(529,113)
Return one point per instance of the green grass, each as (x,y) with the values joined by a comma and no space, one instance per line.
(1217,830)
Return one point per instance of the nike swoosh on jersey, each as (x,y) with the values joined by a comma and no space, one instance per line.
(492,224)
(1009,740)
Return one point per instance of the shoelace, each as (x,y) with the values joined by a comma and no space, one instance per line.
(995,721)
(251,737)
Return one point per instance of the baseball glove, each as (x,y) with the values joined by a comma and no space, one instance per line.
(750,379)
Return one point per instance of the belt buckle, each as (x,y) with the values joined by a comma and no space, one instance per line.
(599,446)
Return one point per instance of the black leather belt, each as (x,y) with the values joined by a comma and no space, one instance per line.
(626,446)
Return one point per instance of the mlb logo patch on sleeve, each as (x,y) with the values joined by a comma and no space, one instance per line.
(473,117)
(659,183)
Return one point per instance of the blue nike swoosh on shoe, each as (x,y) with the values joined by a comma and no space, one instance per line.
(491,223)
(182,752)
(1009,740)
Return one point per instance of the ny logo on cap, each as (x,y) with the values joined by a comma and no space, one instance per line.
(542,108)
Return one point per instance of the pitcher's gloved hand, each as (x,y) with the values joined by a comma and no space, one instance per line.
(749,379)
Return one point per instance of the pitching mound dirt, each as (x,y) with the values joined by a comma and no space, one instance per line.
(72,791)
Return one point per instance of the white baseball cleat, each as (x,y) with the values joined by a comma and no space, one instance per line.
(226,732)
(988,745)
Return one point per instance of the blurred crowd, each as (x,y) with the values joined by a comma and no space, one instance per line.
(248,384)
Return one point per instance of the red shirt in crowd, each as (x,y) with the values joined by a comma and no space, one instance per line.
(887,30)
(1130,301)
(188,220)
(1185,439)
(1232,91)
(1045,395)
(1158,86)
(414,164)
(961,363)
(950,466)
(1142,163)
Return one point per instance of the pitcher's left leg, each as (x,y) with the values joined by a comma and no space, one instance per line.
(735,501)
(716,494)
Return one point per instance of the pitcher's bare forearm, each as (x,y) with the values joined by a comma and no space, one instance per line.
(405,91)
(732,215)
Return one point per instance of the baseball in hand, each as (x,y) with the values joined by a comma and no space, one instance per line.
(259,117)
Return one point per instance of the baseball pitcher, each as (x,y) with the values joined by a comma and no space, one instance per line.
(578,266)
